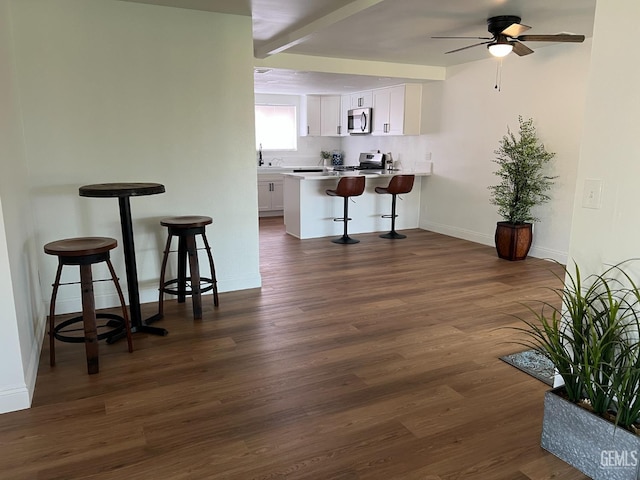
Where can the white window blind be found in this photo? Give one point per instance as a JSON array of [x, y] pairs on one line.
[[276, 127]]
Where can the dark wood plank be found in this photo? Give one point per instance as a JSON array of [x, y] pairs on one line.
[[378, 360]]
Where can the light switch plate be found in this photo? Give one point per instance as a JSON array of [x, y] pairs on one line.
[[592, 194]]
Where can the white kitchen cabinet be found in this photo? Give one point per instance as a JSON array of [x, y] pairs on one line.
[[345, 106], [397, 110], [270, 193], [362, 99], [311, 116], [330, 116], [321, 116]]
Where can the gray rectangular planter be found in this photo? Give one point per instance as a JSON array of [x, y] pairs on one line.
[[588, 442]]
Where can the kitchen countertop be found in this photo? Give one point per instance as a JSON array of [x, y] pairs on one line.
[[351, 173], [288, 169]]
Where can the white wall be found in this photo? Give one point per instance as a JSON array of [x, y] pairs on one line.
[[20, 310], [610, 146], [464, 119], [407, 151], [108, 91], [119, 91]]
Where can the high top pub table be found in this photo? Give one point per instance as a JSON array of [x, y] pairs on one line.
[[123, 191]]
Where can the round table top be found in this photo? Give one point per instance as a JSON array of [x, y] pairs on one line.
[[125, 189]]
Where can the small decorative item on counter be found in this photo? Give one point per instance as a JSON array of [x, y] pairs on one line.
[[336, 157], [389, 162], [326, 155]]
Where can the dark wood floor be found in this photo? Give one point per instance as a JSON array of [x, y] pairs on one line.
[[370, 361]]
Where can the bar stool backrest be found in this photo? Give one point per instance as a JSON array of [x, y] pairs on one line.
[[350, 186], [400, 184]]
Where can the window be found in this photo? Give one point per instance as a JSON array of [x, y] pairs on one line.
[[276, 127]]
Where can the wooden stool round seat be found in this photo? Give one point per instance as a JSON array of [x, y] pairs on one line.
[[398, 185], [186, 228], [84, 252], [347, 187]]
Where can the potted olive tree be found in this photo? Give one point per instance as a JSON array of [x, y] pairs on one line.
[[523, 185], [591, 422]]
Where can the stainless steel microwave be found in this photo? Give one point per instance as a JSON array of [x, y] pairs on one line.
[[359, 120]]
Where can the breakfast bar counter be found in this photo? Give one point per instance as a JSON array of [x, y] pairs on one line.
[[309, 211]]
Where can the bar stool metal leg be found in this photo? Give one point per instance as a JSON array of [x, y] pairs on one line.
[[52, 315], [214, 281], [163, 269]]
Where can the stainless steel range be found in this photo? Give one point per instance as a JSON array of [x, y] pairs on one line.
[[367, 161]]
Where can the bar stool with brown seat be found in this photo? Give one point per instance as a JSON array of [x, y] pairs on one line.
[[84, 252], [186, 228], [347, 187], [399, 184]]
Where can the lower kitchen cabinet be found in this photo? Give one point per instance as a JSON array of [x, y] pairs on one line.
[[270, 195]]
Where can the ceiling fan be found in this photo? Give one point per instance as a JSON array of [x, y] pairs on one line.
[[507, 37]]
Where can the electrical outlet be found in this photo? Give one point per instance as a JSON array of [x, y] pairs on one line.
[[592, 194]]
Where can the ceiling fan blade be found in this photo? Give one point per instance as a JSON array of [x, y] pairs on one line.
[[521, 49], [515, 29], [560, 37], [472, 38], [468, 46]]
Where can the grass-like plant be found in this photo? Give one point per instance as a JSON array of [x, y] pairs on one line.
[[592, 340]]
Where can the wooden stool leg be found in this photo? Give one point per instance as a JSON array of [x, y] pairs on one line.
[[52, 315], [163, 270], [125, 315], [182, 269], [89, 319], [212, 268], [194, 269]]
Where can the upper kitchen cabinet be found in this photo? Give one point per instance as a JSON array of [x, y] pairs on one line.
[[330, 116], [362, 99], [397, 110], [321, 116], [310, 118], [345, 106]]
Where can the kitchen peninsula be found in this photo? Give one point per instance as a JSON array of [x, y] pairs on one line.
[[309, 211]]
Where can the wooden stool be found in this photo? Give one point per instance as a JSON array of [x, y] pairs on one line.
[[399, 184], [84, 252], [186, 228], [347, 187]]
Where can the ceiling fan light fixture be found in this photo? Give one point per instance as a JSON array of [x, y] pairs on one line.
[[500, 49]]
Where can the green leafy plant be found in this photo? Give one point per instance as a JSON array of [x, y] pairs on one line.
[[592, 340], [523, 183], [325, 155]]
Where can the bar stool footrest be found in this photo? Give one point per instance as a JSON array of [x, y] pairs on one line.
[[206, 285], [116, 325]]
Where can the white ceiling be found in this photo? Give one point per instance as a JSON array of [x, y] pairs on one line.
[[396, 31]]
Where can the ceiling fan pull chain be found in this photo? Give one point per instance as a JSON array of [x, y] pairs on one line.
[[498, 85]]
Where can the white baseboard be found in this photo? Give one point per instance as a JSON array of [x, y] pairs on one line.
[[484, 239], [459, 233], [14, 397]]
